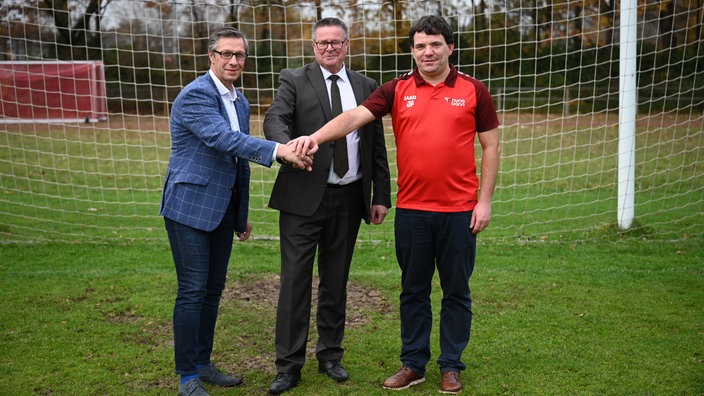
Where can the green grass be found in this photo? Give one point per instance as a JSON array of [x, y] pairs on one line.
[[622, 316], [565, 302]]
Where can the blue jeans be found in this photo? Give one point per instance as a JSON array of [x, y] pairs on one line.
[[201, 260], [424, 241]]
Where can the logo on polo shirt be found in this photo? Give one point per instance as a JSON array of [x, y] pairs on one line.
[[410, 100], [455, 102]]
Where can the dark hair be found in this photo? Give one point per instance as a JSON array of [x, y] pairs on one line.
[[227, 32], [326, 22], [431, 24]]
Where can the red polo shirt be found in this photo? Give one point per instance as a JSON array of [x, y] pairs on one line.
[[435, 127]]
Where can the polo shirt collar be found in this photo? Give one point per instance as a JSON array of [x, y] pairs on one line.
[[449, 80]]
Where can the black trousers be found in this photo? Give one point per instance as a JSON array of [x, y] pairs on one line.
[[332, 232]]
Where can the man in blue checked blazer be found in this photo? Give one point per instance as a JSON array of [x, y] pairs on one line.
[[206, 198]]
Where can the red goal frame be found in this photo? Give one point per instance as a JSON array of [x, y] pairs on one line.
[[36, 91]]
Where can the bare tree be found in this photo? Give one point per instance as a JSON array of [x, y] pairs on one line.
[[77, 27]]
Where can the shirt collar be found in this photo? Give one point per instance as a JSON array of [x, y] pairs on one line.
[[222, 89], [342, 73]]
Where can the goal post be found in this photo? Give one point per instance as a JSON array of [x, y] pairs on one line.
[[628, 105], [52, 91]]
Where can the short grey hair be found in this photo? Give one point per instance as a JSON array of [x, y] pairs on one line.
[[331, 21], [227, 32]]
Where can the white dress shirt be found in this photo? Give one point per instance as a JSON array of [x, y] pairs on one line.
[[348, 102]]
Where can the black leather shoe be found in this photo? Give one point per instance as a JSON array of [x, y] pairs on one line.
[[334, 370], [284, 382]]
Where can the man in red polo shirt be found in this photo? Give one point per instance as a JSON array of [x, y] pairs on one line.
[[437, 112]]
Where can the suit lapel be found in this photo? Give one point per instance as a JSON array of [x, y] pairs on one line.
[[241, 114], [321, 90], [357, 87]]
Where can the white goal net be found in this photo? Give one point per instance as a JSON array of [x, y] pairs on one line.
[[552, 69]]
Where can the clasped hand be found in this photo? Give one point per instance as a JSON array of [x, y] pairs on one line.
[[304, 145], [299, 160]]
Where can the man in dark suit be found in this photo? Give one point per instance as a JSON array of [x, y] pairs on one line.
[[206, 201], [322, 210]]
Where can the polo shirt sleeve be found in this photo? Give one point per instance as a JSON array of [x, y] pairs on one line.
[[485, 115], [381, 101]]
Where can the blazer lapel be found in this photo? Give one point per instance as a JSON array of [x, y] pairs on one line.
[[241, 116]]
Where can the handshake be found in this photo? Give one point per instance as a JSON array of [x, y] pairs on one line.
[[298, 152]]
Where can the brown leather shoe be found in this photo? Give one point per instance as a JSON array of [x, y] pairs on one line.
[[450, 383], [404, 378]]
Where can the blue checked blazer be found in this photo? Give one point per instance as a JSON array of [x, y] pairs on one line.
[[209, 161]]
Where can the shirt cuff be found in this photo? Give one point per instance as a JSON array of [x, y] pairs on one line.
[[276, 150]]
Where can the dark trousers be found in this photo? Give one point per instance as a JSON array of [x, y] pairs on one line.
[[425, 241], [201, 260], [332, 231]]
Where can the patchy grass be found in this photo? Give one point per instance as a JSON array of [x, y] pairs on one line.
[[622, 316]]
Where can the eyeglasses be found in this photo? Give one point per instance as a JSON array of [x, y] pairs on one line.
[[323, 45], [228, 55]]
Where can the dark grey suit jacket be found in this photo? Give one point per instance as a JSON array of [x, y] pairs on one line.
[[301, 107]]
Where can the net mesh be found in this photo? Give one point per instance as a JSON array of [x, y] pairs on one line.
[[552, 69]]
